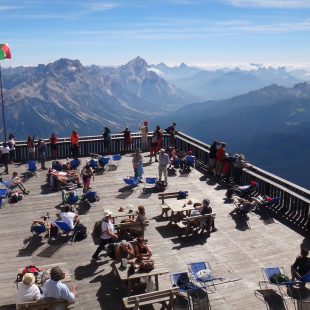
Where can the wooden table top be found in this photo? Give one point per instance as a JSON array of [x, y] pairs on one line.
[[159, 268], [181, 205]]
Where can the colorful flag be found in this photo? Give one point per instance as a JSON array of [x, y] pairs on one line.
[[5, 52]]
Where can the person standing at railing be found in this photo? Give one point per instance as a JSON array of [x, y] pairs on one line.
[[220, 155], [171, 132], [212, 157], [127, 138], [42, 148], [53, 142], [74, 144], [11, 144], [31, 147], [106, 139], [144, 133], [5, 154], [160, 140]]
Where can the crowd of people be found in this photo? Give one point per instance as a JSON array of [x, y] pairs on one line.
[[229, 167]]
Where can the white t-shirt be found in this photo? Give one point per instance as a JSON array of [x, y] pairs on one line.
[[26, 293], [105, 226], [68, 218], [5, 150], [9, 183]]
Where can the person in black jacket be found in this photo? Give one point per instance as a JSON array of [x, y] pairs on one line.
[[212, 157]]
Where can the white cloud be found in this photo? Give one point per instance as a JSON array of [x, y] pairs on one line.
[[8, 7], [99, 6], [280, 4]]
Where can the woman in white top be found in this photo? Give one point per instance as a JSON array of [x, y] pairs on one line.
[[11, 144], [27, 290]]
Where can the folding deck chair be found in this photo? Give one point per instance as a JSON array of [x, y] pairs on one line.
[[74, 164], [131, 182], [195, 296], [202, 274], [149, 183], [40, 230], [3, 195], [32, 168], [268, 274], [65, 228]]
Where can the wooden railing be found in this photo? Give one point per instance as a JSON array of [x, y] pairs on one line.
[[295, 202]]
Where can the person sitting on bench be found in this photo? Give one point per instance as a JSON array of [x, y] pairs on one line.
[[124, 250], [142, 249], [28, 290], [15, 181]]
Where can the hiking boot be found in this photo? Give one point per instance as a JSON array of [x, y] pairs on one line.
[[95, 258]]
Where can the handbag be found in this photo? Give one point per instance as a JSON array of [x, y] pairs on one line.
[[146, 265]]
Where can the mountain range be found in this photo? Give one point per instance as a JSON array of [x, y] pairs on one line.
[[267, 116], [271, 126], [65, 94]]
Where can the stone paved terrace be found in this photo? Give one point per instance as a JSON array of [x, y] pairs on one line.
[[233, 254]]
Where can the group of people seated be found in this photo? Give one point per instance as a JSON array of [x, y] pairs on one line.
[[176, 162], [52, 288], [58, 179]]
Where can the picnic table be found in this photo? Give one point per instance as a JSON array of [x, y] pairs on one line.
[[180, 208], [122, 273], [126, 213]]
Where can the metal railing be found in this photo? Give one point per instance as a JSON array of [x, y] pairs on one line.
[[295, 201]]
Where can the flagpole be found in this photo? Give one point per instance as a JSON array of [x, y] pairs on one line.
[[2, 104]]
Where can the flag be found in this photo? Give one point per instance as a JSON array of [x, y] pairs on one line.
[[5, 52]]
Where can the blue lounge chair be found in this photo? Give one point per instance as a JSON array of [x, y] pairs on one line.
[[74, 164], [283, 287], [131, 181], [65, 228], [40, 230], [32, 168], [3, 195], [149, 183], [208, 282]]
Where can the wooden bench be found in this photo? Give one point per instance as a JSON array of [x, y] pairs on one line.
[[187, 227], [165, 297], [164, 207], [45, 304], [127, 226]]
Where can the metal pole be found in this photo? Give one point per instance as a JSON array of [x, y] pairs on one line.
[[2, 103]]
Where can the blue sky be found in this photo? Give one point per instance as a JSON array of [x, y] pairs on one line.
[[205, 32]]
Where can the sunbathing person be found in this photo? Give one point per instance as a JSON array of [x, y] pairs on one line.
[[15, 181], [243, 207], [245, 191], [142, 249], [301, 265], [58, 179]]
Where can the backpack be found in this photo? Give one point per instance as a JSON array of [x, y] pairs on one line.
[[91, 196], [28, 269], [183, 282], [110, 249], [146, 265], [182, 194], [279, 278], [160, 186], [97, 232], [80, 232]]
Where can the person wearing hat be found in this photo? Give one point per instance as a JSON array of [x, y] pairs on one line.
[[42, 149], [28, 290], [54, 288], [107, 233], [163, 162]]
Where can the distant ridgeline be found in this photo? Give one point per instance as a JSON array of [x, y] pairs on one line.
[[269, 125]]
